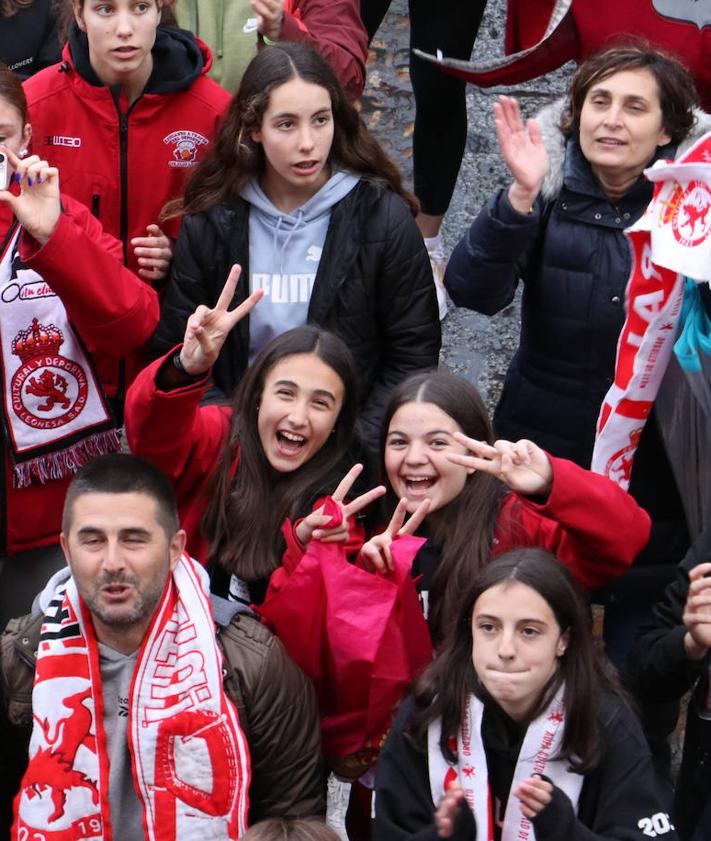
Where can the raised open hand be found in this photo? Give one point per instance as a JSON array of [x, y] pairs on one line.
[[313, 525], [376, 551], [523, 152], [207, 329], [37, 207], [523, 465]]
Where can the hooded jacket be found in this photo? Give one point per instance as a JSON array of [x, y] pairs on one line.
[[574, 260], [373, 288], [125, 162], [333, 27]]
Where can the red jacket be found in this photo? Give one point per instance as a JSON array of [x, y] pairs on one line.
[[126, 167], [335, 29], [113, 311], [185, 441]]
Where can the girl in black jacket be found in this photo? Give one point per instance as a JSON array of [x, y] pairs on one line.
[[516, 732], [297, 192]]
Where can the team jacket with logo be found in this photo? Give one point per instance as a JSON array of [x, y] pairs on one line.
[[125, 162]]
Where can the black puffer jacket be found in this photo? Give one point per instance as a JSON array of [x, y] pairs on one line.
[[574, 260], [373, 288]]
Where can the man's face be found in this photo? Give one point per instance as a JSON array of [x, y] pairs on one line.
[[120, 557]]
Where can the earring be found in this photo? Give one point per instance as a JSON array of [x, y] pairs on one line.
[[23, 153]]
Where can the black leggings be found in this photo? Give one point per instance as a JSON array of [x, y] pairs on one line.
[[441, 113]]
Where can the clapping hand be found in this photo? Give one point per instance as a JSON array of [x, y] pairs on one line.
[[697, 612], [314, 526], [523, 465], [207, 328], [534, 794], [153, 254], [523, 152]]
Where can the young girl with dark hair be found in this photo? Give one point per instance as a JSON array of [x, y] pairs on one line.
[[482, 497], [297, 191], [516, 732], [240, 471]]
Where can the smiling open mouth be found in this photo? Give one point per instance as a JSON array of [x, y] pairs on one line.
[[419, 483], [290, 442]]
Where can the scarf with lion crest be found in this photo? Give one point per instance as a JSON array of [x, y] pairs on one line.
[[189, 757]]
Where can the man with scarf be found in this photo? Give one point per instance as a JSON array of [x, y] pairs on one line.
[[142, 721]]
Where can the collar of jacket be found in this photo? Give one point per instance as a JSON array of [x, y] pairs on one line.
[[179, 58], [557, 145]]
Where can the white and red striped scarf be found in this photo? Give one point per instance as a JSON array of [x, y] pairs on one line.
[[541, 742], [189, 757], [669, 242]]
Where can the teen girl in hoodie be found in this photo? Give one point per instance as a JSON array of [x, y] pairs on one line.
[[298, 193]]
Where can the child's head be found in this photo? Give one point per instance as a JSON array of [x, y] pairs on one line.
[[292, 425], [417, 433], [280, 829], [120, 35], [297, 401], [290, 120]]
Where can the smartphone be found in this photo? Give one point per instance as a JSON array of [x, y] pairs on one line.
[[4, 172]]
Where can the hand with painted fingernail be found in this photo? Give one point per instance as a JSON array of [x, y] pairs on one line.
[[37, 207]]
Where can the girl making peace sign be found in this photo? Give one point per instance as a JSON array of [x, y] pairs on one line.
[[240, 471]]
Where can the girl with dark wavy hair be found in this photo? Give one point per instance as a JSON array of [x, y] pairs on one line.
[[517, 730], [241, 470], [298, 192]]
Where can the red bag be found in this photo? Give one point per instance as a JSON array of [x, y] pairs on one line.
[[360, 636]]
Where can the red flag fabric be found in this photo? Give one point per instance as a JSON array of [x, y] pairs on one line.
[[360, 636], [543, 34]]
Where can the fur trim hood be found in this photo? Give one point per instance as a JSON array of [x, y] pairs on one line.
[[548, 120]]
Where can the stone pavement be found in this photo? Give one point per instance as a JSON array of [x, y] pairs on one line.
[[475, 346]]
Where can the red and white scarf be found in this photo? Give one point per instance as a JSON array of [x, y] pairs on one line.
[[670, 241], [55, 413], [189, 757], [542, 741]]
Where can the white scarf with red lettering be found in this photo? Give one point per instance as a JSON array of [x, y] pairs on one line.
[[54, 411], [541, 742], [189, 757], [669, 242]]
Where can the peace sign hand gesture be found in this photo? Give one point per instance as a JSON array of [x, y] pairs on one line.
[[523, 465], [207, 329], [313, 525], [376, 551]]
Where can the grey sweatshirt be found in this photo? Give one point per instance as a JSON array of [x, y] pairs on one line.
[[284, 253]]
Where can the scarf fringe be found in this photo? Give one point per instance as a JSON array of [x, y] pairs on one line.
[[63, 463]]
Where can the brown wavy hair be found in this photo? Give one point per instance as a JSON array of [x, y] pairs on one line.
[[443, 689], [463, 529], [11, 91], [234, 157], [246, 507], [677, 91]]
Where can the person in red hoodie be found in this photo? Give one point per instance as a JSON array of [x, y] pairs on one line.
[[126, 116], [69, 311]]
